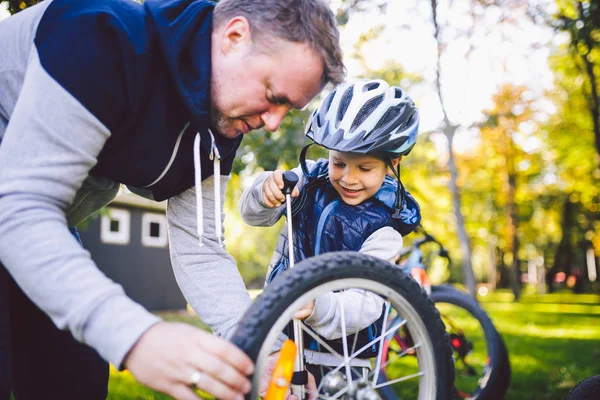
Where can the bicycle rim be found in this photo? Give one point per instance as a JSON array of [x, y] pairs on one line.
[[485, 372]]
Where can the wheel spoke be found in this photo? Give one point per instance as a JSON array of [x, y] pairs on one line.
[[330, 349], [345, 340], [362, 305], [382, 337], [404, 378], [366, 346], [400, 355]]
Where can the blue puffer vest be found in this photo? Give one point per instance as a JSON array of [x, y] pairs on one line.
[[324, 223]]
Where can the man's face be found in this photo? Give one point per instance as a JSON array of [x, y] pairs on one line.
[[251, 88]]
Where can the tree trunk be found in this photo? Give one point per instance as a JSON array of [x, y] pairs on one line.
[[465, 243], [492, 267], [594, 98], [564, 252], [514, 232], [449, 130]]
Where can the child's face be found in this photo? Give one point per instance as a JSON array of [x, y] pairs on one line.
[[356, 177]]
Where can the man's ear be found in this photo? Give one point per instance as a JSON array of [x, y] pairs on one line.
[[236, 34]]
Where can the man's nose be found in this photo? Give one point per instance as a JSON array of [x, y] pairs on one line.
[[273, 116]]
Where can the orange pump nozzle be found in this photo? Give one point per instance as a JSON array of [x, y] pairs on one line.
[[282, 372]]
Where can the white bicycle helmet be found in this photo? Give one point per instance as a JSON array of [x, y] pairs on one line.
[[366, 116]]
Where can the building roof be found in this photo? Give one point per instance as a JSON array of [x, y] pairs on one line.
[[125, 197]]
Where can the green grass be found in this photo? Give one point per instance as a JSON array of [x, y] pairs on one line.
[[553, 341]]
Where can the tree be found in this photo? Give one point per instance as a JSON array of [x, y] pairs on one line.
[[574, 177], [581, 20], [501, 133], [14, 6]]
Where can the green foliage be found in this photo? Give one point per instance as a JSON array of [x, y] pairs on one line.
[[263, 150], [581, 20], [502, 169], [349, 7], [570, 154], [14, 6]]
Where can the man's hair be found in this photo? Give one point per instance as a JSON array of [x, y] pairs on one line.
[[300, 21]]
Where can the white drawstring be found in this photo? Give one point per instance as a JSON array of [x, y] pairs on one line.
[[216, 157], [198, 183]]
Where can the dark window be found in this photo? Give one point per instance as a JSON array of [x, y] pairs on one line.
[[114, 225], [154, 229]]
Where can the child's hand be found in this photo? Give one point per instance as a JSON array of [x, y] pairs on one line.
[[272, 190], [305, 311]]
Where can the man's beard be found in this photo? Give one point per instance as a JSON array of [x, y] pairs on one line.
[[221, 124]]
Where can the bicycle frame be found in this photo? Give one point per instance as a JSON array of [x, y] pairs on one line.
[[414, 263]]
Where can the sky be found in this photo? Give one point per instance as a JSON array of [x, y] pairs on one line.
[[516, 54]]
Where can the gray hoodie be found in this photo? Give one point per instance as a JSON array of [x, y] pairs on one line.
[[49, 143]]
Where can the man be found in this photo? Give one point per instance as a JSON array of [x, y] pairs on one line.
[[156, 97]]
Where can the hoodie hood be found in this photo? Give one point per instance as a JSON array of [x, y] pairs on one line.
[[184, 30]]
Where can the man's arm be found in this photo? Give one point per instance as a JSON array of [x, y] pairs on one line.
[[207, 275], [50, 144]]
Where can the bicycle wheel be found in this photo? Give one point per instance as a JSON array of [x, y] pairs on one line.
[[482, 364], [428, 374]]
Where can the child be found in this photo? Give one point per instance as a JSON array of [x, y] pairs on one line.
[[346, 203]]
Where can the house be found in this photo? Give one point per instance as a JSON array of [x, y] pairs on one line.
[[128, 241]]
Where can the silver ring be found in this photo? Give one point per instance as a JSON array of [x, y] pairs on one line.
[[195, 378]]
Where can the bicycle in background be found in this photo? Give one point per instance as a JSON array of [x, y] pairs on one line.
[[481, 359]]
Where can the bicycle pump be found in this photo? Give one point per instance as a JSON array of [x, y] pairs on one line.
[[290, 179]]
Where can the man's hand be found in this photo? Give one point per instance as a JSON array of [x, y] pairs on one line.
[[272, 190], [170, 355]]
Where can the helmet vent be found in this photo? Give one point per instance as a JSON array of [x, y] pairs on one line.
[[371, 86], [388, 117], [366, 110], [398, 93], [327, 103], [344, 103]]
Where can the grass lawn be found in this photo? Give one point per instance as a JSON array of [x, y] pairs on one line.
[[553, 341]]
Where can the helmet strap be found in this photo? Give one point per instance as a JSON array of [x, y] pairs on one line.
[[303, 160], [400, 202], [312, 181]]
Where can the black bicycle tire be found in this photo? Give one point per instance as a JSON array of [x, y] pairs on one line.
[[256, 323], [587, 389], [499, 381]]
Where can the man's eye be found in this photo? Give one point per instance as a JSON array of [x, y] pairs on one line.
[[277, 100]]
